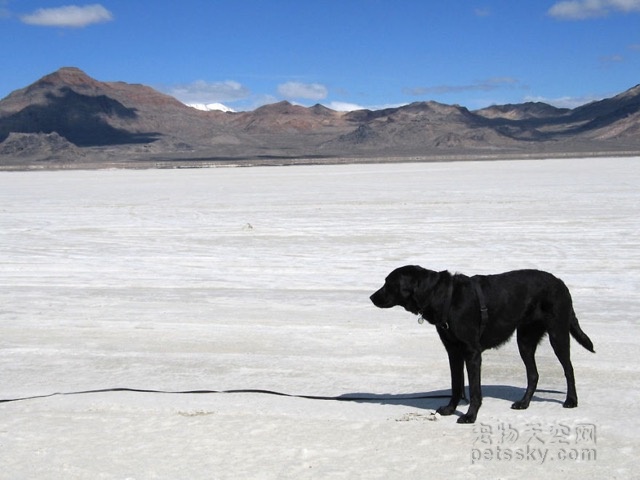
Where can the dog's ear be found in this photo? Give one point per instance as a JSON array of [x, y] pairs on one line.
[[425, 281]]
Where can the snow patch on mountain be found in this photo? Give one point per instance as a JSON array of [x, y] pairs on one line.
[[208, 107]]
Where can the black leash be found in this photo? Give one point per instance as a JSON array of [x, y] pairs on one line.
[[341, 398]]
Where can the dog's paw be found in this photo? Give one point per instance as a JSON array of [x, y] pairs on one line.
[[570, 403], [446, 410], [520, 405], [467, 419]]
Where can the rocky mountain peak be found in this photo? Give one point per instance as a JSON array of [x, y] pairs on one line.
[[69, 76]]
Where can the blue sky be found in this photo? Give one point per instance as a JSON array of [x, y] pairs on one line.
[[340, 53]]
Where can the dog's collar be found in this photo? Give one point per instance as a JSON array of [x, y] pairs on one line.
[[444, 321]]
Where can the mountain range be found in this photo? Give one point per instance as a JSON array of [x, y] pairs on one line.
[[68, 119]]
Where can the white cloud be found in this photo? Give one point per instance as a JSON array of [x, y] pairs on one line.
[[309, 91], [583, 9], [350, 107], [344, 106], [209, 92], [68, 16]]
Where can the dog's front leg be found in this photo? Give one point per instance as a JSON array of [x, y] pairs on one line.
[[473, 360], [456, 366]]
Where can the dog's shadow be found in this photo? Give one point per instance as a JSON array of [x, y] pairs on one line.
[[437, 398]]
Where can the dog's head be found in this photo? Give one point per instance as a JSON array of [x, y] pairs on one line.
[[406, 287]]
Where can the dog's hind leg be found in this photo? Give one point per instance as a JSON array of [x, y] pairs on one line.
[[561, 346], [528, 339]]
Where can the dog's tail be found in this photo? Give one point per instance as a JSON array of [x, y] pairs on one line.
[[579, 335]]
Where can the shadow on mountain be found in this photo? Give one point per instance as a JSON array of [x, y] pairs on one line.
[[544, 122], [81, 119]]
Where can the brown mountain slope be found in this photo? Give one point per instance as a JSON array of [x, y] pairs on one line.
[[422, 125], [283, 117], [92, 113], [523, 111]]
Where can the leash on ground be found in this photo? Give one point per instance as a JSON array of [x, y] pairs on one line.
[[339, 398], [372, 397]]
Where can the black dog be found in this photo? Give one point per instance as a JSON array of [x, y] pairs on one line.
[[473, 314]]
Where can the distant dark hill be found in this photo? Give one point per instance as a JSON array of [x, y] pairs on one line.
[[41, 146], [81, 119], [616, 117], [612, 118], [71, 115], [422, 125], [92, 113], [283, 117], [523, 111]]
